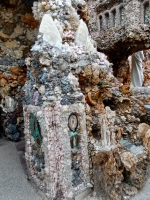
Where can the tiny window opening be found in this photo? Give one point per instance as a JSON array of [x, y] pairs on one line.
[[107, 21], [146, 13], [101, 23], [122, 15], [114, 18]]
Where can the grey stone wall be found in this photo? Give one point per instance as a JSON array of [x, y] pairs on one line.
[[124, 38]]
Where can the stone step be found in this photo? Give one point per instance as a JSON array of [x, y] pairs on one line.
[[137, 150], [85, 192]]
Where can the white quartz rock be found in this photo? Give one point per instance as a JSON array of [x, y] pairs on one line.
[[73, 81], [49, 30], [81, 34], [9, 104], [68, 3], [90, 46], [42, 89], [60, 29], [82, 37], [39, 114], [59, 2], [36, 47]]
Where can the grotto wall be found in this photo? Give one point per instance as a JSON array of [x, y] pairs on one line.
[[120, 28], [82, 127], [18, 31]]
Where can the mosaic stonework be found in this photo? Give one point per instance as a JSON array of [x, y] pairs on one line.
[[34, 150], [47, 150], [75, 110], [76, 155], [35, 130]]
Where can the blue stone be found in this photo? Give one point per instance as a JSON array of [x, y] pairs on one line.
[[43, 78], [147, 107]]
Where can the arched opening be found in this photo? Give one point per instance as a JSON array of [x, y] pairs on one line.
[[122, 15], [101, 23], [114, 18], [123, 69], [107, 21], [146, 13]]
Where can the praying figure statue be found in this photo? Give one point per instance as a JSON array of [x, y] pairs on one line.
[[108, 137], [137, 76]]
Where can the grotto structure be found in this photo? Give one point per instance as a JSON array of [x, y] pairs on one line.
[[85, 130], [120, 28]]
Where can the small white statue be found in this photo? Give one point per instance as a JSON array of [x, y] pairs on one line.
[[137, 76], [107, 128]]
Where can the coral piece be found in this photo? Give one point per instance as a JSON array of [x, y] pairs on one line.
[[15, 70], [3, 82], [22, 79], [29, 20]]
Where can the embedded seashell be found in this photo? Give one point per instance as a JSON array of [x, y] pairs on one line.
[[44, 61], [42, 89], [44, 139], [27, 61], [47, 7], [90, 100], [65, 131], [35, 3], [28, 142], [53, 7], [39, 5], [65, 108], [46, 170], [43, 3], [39, 113], [44, 98]]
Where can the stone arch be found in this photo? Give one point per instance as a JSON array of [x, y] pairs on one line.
[[100, 19], [122, 69]]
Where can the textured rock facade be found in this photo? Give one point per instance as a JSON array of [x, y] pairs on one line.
[[17, 34], [75, 108], [82, 127], [120, 27]]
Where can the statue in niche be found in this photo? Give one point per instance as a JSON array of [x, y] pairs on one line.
[[137, 76], [107, 128]]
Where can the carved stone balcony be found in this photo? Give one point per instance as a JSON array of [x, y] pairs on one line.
[[120, 27]]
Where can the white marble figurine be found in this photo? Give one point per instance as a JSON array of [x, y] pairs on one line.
[[137, 76]]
